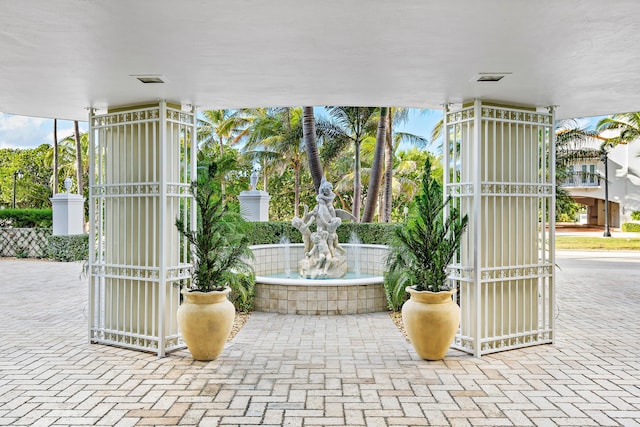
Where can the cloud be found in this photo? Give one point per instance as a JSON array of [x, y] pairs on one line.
[[30, 132]]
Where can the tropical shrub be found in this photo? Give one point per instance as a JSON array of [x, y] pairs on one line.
[[262, 233], [422, 251], [26, 218], [632, 227], [635, 215], [394, 291], [220, 244], [68, 248]]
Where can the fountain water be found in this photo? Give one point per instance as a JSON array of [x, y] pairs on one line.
[[356, 244], [285, 242]]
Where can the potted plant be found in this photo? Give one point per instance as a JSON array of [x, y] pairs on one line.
[[418, 260], [219, 251]]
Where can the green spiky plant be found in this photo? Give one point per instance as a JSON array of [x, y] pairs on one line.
[[220, 244], [421, 251]]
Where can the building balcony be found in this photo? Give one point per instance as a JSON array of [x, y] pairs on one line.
[[581, 180]]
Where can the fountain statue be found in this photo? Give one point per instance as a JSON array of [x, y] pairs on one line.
[[324, 257]]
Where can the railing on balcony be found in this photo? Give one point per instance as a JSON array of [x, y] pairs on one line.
[[582, 179]]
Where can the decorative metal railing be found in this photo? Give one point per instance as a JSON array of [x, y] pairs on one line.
[[581, 179]]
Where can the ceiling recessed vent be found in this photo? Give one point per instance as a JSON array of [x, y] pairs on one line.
[[149, 78], [490, 77]]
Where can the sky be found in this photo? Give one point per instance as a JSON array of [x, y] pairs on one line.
[[30, 132]]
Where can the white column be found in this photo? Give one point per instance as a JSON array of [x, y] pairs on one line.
[[142, 163], [503, 179]]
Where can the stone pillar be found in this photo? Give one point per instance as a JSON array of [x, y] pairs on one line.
[[254, 204], [68, 212]]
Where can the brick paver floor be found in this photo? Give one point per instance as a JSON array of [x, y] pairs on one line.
[[322, 370]]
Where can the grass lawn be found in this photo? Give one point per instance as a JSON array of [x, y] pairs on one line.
[[598, 243]]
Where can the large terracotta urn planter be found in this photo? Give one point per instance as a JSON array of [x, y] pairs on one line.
[[431, 320], [205, 320]]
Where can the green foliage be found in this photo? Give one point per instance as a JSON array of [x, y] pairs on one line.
[[21, 251], [220, 241], [242, 292], [597, 243], [567, 209], [68, 248], [32, 190], [635, 215], [230, 167], [395, 292], [370, 233], [631, 227], [563, 217], [264, 233], [282, 189], [26, 218], [422, 251]]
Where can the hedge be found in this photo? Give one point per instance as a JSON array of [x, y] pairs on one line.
[[26, 218], [631, 227], [262, 233], [68, 248]]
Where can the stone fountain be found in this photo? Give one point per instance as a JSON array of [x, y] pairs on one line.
[[323, 286]]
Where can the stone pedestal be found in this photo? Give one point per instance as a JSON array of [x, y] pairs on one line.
[[254, 205], [68, 214]]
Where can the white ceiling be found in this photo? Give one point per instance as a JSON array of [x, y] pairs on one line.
[[58, 58]]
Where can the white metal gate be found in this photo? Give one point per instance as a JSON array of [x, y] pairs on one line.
[[499, 169], [141, 162]]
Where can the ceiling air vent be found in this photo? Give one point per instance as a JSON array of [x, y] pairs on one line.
[[490, 77], [149, 78]]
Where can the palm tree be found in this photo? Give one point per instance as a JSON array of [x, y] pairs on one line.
[[350, 125], [78, 156], [311, 147], [280, 131], [570, 148], [396, 115], [628, 125], [69, 162], [222, 128], [376, 169], [55, 156]]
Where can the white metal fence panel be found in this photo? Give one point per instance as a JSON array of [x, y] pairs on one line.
[[499, 169], [142, 160]]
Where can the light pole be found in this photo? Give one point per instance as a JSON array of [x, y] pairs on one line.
[[17, 174], [605, 159]]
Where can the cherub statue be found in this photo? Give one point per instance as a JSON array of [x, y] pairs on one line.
[[320, 250], [324, 257], [332, 239], [325, 211], [304, 229]]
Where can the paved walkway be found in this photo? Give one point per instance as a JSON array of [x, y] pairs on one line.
[[318, 370]]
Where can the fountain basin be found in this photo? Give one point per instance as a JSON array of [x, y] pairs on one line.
[[364, 294]]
